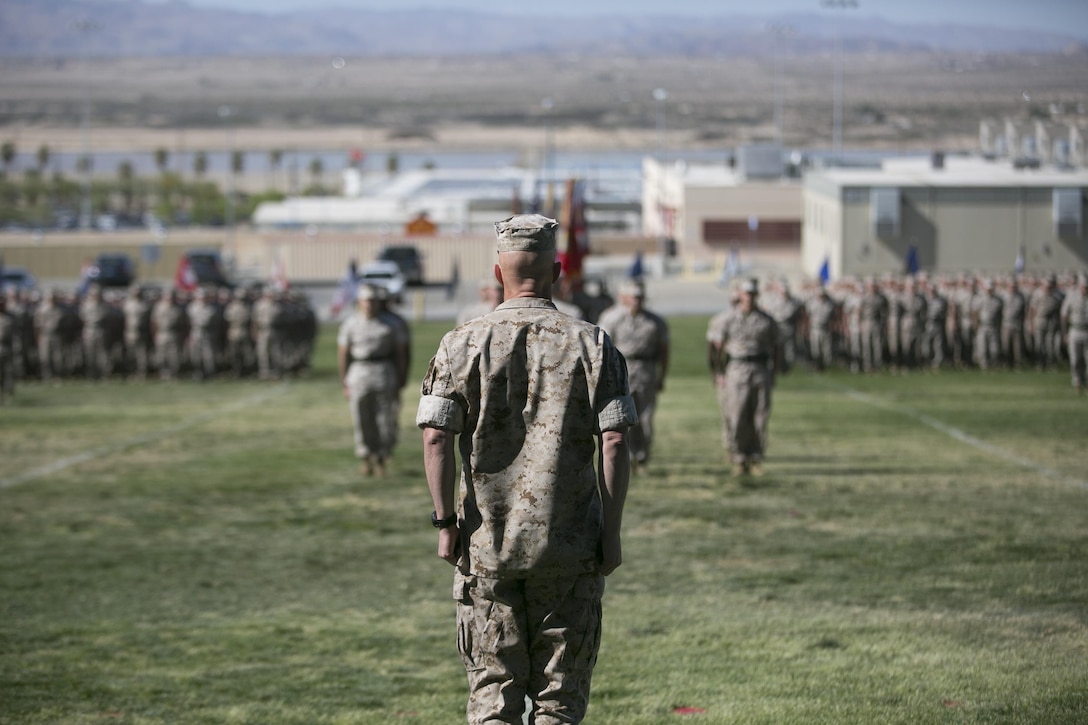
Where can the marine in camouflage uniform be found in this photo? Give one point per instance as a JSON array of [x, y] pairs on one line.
[[1012, 324], [531, 393], [912, 324], [7, 352], [47, 330], [786, 311], [643, 338], [202, 315], [1074, 319], [987, 308], [139, 346], [170, 325], [1045, 319], [935, 333], [267, 320], [820, 313], [95, 312], [873, 325], [239, 320], [370, 361], [744, 352]]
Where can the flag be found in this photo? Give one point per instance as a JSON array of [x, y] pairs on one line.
[[825, 271], [1018, 266], [636, 271], [515, 204], [912, 260], [185, 277], [345, 295], [278, 277], [574, 223], [731, 268]]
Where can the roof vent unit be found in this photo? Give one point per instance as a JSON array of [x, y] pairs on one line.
[[1068, 213], [760, 161], [884, 208]]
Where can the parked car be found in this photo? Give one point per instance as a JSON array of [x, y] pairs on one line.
[[17, 278], [384, 274], [199, 267], [112, 270], [408, 259]]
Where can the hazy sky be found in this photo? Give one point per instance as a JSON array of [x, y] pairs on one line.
[[1069, 17]]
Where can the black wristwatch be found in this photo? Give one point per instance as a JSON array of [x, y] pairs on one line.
[[443, 523]]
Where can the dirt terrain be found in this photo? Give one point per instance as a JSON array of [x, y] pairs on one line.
[[903, 102]]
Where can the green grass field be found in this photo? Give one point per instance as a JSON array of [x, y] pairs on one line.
[[917, 552]]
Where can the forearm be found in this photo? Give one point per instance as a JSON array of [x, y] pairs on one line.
[[342, 361], [438, 465], [613, 480]]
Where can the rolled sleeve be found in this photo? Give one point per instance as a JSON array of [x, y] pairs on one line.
[[437, 412], [617, 414]]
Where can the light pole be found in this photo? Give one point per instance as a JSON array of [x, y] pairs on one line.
[[836, 137], [225, 112], [547, 104], [660, 96], [779, 31], [85, 27]]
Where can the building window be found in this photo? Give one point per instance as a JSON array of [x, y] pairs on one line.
[[1068, 213], [732, 231], [884, 212]]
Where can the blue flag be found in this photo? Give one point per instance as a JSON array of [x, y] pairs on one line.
[[912, 260], [825, 271]]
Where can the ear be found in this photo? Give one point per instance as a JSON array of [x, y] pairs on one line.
[[498, 275], [557, 269]]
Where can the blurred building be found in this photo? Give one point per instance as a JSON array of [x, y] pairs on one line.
[[455, 201], [944, 214], [751, 207]]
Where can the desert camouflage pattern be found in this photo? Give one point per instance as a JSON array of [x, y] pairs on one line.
[[642, 339], [372, 381], [750, 342], [530, 389], [559, 618]]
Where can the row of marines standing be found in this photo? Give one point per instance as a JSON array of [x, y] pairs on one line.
[[144, 331], [923, 322]]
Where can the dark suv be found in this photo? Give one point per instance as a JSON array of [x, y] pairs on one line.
[[407, 257], [112, 270]]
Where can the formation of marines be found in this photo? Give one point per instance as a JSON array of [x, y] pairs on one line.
[[145, 332], [923, 322]]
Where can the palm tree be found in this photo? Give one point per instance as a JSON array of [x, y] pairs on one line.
[[317, 168], [275, 158], [7, 154], [43, 158], [162, 158], [125, 173], [200, 164]]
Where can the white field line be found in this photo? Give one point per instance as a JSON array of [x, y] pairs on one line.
[[150, 437], [959, 435]]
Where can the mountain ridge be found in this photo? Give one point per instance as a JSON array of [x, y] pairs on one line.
[[132, 28]]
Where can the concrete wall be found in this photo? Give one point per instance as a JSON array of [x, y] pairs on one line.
[[953, 229]]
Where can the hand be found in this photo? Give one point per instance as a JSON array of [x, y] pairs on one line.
[[347, 393], [449, 544]]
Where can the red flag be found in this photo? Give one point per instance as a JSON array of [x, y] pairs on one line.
[[574, 222], [184, 277]]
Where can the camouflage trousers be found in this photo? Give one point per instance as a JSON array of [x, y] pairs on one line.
[[1078, 357], [535, 638], [746, 410], [7, 375]]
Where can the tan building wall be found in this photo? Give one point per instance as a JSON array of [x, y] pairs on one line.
[[953, 229]]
